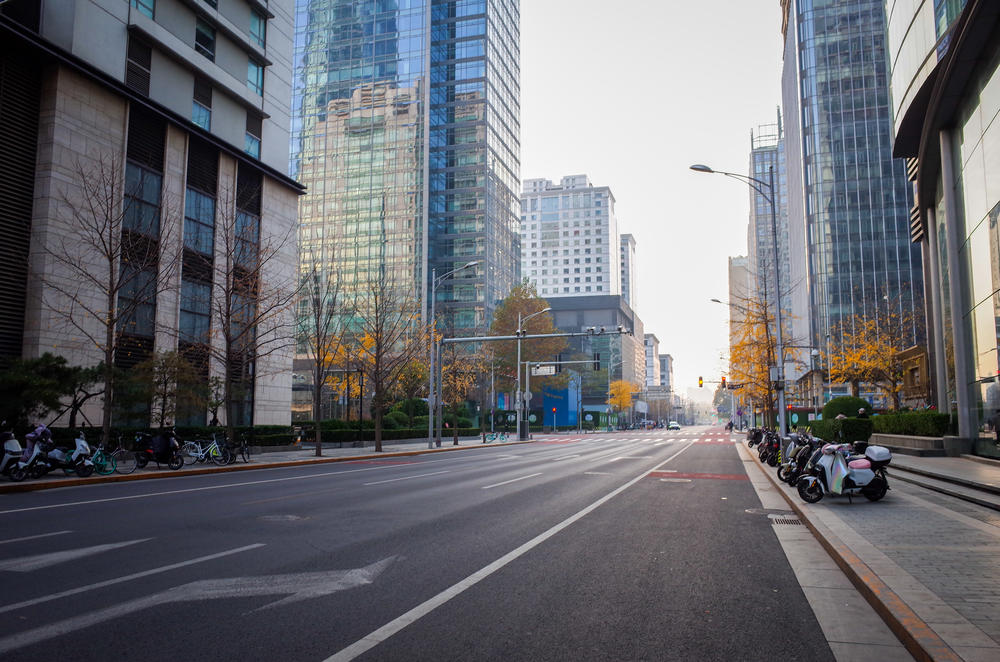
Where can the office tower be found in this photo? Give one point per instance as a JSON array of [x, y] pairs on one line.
[[629, 275], [569, 238], [845, 190], [406, 133], [185, 106], [652, 360], [943, 57]]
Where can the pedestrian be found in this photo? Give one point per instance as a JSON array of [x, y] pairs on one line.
[[862, 413], [995, 422]]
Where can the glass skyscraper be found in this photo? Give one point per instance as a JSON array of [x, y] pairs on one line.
[[406, 133], [844, 187]]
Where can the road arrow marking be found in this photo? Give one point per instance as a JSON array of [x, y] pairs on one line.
[[302, 586], [29, 563]]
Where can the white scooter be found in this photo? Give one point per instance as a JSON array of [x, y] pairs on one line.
[[832, 470], [12, 451], [77, 462]]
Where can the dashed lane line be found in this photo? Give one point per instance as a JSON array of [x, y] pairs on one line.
[[508, 482]]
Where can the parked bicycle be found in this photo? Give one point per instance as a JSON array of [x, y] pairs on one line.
[[202, 450], [124, 459], [104, 462], [496, 436], [240, 450]]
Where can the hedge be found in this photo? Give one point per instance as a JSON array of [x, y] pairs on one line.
[[843, 429], [846, 405], [916, 423]]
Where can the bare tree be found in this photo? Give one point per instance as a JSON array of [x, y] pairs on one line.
[[109, 263], [390, 334], [322, 322], [251, 300]]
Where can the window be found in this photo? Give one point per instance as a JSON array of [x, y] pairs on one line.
[[247, 239], [146, 7], [255, 77], [195, 311], [252, 145], [142, 200], [201, 108], [199, 222], [204, 39], [258, 28], [137, 301], [137, 66]]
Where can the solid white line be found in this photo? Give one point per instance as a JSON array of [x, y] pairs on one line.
[[378, 636], [42, 535], [514, 480], [393, 480], [127, 578], [39, 561], [216, 487]]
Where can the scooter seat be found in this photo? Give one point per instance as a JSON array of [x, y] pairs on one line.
[[860, 464]]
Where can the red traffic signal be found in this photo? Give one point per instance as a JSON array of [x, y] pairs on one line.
[[723, 382], [553, 410]]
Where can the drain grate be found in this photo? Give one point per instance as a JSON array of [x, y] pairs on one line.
[[784, 520]]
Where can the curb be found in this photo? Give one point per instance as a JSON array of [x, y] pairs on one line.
[[916, 636], [33, 486], [954, 480]]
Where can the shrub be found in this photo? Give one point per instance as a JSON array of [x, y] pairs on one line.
[[398, 419], [917, 423], [846, 405], [845, 429], [415, 406]]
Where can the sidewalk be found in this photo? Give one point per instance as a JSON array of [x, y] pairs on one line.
[[265, 460], [928, 565]]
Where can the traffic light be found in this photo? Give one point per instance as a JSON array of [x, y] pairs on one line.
[[597, 361], [553, 410], [723, 382], [558, 363], [701, 382]]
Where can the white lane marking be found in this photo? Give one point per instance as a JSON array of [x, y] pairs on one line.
[[41, 535], [37, 561], [597, 473], [301, 586], [219, 487], [127, 578], [631, 457], [564, 457], [378, 636], [394, 480], [514, 480]]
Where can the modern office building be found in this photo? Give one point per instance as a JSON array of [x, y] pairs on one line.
[[171, 120], [652, 360], [406, 132], [628, 271], [667, 371], [945, 77], [569, 238], [847, 195]]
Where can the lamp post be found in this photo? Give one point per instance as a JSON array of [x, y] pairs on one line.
[[520, 396], [431, 396], [759, 186]]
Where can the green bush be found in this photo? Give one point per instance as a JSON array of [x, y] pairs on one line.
[[399, 419], [844, 429], [916, 423], [846, 405], [415, 406]]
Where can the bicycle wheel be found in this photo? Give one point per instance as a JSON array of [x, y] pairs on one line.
[[190, 451], [124, 461], [104, 464], [220, 456], [245, 452]]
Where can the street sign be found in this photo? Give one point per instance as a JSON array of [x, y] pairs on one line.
[[542, 370], [527, 395]]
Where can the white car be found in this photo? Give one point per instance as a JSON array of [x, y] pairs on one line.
[[673, 425]]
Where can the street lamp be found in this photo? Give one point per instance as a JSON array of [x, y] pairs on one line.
[[520, 396], [431, 399], [759, 186]]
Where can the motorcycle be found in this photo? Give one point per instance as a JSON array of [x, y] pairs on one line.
[[33, 462], [833, 470], [754, 435], [796, 456], [162, 449], [71, 461], [12, 451], [769, 449]]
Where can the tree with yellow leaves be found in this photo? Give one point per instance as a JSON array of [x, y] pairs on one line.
[[524, 300], [620, 397]]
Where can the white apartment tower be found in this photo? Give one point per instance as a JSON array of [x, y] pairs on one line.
[[569, 238], [628, 272]]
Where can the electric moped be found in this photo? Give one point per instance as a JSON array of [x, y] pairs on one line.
[[833, 470]]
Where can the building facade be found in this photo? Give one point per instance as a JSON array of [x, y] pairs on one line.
[[844, 187], [944, 61], [652, 360], [569, 238], [406, 131], [628, 271], [171, 120]]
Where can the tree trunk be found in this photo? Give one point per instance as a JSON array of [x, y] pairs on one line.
[[317, 406], [454, 425], [378, 429]]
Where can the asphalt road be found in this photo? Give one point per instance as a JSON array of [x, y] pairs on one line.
[[628, 546]]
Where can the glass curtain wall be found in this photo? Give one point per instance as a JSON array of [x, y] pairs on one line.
[[857, 199]]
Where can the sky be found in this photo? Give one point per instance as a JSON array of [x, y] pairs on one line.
[[632, 93]]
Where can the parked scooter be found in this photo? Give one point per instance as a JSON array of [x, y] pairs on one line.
[[832, 470], [770, 448], [796, 456], [70, 461], [12, 451], [33, 462], [754, 435], [162, 448]]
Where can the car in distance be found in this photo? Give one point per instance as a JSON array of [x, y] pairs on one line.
[[673, 425]]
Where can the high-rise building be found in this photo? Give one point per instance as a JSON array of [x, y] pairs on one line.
[[171, 120], [628, 271], [944, 58], [569, 238], [652, 360], [406, 132], [846, 191]]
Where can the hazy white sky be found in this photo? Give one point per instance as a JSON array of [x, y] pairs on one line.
[[632, 93]]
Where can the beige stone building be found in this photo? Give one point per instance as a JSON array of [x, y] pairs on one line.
[[169, 120]]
